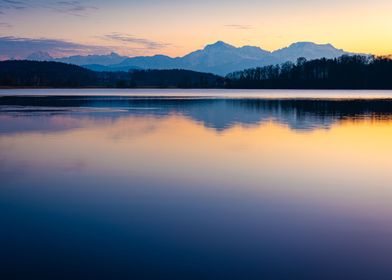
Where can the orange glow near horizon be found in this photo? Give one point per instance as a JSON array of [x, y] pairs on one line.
[[176, 28]]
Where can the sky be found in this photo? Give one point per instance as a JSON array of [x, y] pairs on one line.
[[175, 27]]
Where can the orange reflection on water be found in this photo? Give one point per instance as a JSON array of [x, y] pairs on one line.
[[347, 164]]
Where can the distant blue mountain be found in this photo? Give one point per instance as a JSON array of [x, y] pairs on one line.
[[103, 68], [40, 56], [151, 62], [104, 60], [222, 58], [308, 50], [219, 58]]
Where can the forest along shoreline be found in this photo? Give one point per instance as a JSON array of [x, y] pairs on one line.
[[346, 72]]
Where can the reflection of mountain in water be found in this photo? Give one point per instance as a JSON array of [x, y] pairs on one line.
[[220, 114]]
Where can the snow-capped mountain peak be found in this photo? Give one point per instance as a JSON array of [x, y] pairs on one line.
[[219, 58], [39, 56], [218, 46], [309, 50]]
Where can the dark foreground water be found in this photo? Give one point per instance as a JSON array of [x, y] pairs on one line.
[[205, 185]]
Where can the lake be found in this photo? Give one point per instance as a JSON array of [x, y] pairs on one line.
[[198, 184]]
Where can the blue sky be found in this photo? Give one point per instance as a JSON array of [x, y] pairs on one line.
[[176, 27]]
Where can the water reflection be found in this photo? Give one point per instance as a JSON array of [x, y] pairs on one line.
[[195, 188], [220, 114]]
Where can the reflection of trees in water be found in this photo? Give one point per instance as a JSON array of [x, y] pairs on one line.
[[320, 113], [220, 114]]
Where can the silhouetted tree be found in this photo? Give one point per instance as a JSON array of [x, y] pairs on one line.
[[346, 72], [54, 74]]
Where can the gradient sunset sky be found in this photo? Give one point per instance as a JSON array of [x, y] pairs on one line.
[[175, 27]]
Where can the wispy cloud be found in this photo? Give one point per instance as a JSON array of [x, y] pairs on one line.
[[239, 26], [15, 47], [130, 39], [5, 25], [73, 7], [12, 5]]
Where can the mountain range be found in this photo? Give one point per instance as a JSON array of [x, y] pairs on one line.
[[219, 58]]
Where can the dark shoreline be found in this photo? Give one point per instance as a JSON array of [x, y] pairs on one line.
[[344, 73]]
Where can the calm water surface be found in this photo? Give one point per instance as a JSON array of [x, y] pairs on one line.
[[172, 184]]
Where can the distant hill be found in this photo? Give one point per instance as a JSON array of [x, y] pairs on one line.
[[175, 78], [80, 60], [105, 60], [40, 56], [21, 73], [219, 58], [44, 74], [103, 68]]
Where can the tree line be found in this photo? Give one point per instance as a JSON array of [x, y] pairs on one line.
[[346, 72], [22, 73]]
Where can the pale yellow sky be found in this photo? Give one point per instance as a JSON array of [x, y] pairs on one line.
[[177, 27]]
